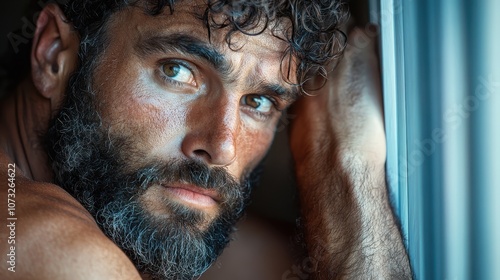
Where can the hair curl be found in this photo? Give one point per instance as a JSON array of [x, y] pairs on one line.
[[312, 34]]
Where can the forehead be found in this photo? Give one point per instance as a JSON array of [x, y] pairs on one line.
[[134, 25], [187, 17]]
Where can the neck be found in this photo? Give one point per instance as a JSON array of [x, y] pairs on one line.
[[24, 117]]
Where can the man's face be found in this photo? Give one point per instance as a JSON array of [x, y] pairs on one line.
[[161, 152], [163, 86]]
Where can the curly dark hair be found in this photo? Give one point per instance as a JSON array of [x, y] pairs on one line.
[[313, 35]]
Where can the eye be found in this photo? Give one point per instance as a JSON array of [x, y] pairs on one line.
[[258, 102], [178, 73]]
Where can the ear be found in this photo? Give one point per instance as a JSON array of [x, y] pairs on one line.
[[54, 54]]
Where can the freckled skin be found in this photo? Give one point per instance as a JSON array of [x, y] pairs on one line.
[[167, 123], [205, 122]]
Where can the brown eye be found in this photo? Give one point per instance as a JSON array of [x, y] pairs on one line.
[[178, 72], [258, 102], [171, 69]]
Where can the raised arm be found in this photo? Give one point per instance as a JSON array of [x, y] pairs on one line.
[[338, 143]]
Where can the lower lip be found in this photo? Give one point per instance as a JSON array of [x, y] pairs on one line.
[[191, 197]]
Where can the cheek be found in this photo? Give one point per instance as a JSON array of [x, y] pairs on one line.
[[137, 110], [151, 126], [254, 145]]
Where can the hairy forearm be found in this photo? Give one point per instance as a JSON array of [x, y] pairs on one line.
[[339, 147], [350, 229]]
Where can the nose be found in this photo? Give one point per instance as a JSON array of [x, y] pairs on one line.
[[213, 130]]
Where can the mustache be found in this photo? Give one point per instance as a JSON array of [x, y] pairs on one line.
[[195, 173]]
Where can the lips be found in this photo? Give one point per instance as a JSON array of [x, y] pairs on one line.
[[194, 195]]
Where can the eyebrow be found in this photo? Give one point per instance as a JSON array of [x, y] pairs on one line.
[[186, 44], [193, 46], [287, 95]]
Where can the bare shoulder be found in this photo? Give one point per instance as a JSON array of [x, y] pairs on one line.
[[52, 235]]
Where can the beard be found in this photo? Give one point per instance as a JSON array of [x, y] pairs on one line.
[[93, 166]]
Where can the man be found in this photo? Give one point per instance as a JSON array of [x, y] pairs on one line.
[[132, 141]]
